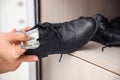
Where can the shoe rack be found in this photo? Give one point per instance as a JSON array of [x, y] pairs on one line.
[[90, 63]]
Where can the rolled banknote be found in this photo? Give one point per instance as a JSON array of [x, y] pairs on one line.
[[33, 42]]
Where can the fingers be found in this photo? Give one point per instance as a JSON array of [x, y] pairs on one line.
[[19, 50], [13, 30], [26, 29], [17, 37], [28, 58]]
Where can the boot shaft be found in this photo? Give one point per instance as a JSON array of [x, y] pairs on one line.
[[107, 34]]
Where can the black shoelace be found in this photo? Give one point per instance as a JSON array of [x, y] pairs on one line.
[[107, 44], [54, 28], [110, 43]]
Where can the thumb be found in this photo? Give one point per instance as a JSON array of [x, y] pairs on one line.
[[28, 58]]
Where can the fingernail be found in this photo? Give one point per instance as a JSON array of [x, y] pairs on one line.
[[35, 58]]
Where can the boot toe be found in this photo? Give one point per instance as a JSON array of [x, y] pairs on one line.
[[80, 32]]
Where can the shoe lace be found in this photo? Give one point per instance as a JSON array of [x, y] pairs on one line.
[[105, 47], [54, 29], [110, 43]]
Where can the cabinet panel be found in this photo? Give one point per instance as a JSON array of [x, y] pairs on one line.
[[71, 68], [63, 10]]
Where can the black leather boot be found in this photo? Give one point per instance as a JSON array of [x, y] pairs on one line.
[[115, 23], [106, 34], [67, 37]]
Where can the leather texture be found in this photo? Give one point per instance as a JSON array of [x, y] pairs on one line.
[[115, 23], [107, 34], [63, 38]]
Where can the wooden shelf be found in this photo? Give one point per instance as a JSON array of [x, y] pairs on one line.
[[108, 59]]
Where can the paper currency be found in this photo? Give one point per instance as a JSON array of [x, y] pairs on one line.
[[33, 42]]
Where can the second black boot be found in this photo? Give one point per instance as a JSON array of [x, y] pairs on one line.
[[115, 23], [67, 37], [106, 33]]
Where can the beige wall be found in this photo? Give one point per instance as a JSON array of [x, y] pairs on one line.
[[62, 10]]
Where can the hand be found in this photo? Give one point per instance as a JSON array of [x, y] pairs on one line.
[[11, 53]]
